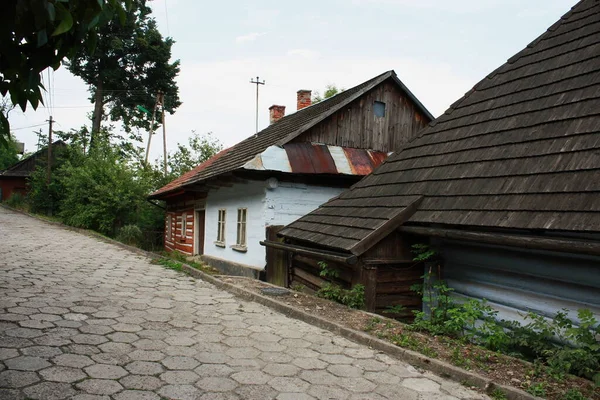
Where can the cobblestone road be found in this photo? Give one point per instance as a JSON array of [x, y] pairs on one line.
[[87, 320]]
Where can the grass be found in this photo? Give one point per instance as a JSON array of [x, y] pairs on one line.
[[532, 377], [498, 394], [175, 260]]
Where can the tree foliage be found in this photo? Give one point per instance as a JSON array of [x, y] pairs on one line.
[[128, 67], [330, 91], [199, 149], [105, 188], [8, 154], [37, 34]]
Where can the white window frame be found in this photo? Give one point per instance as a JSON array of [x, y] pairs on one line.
[[221, 220], [169, 228], [242, 218], [184, 226]]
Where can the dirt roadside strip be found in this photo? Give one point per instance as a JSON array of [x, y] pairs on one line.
[[439, 367]]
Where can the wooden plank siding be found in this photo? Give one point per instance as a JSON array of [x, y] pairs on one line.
[[516, 281], [387, 271], [178, 241], [356, 125]]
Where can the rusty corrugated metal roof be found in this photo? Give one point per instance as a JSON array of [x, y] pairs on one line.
[[311, 158]]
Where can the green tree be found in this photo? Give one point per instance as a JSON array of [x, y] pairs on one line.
[[37, 34], [200, 148], [128, 67], [330, 91], [8, 154]]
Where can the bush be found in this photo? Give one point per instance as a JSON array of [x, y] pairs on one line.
[[353, 298], [16, 200], [130, 234], [563, 346]]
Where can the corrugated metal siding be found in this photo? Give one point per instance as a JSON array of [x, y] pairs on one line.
[[517, 281]]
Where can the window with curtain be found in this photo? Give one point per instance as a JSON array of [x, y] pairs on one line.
[[241, 227], [221, 227]]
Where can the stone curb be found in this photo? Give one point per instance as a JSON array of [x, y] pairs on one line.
[[441, 368]]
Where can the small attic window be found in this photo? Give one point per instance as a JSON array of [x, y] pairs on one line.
[[379, 109]]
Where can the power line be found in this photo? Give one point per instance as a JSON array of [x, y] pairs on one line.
[[167, 18], [27, 127]]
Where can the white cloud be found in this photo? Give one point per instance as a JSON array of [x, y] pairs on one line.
[[250, 37], [306, 53]]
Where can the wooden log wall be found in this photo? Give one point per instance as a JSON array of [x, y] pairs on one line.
[[306, 272], [177, 207], [357, 126], [386, 285], [181, 231]]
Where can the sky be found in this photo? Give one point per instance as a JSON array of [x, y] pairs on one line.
[[438, 48]]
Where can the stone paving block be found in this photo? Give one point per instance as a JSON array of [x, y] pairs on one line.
[[256, 392], [100, 386], [17, 379], [328, 392], [105, 371], [421, 384], [141, 382], [41, 351], [27, 363], [136, 395], [216, 384], [62, 374], [251, 377], [142, 332], [285, 384], [84, 338], [396, 392], [360, 385], [10, 394], [342, 370], [181, 377], [180, 392], [144, 368], [73, 360], [49, 391], [6, 354], [294, 396], [111, 358], [281, 369], [180, 362]]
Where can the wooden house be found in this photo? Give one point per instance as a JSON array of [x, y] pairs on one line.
[[505, 184], [14, 178], [223, 208]]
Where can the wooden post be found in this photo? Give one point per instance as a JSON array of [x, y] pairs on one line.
[[49, 161], [164, 129], [369, 280], [277, 260]]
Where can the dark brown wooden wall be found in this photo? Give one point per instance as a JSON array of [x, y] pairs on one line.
[[357, 126]]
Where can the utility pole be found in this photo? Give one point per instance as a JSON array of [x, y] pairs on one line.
[[257, 82], [162, 102], [49, 173], [152, 126]]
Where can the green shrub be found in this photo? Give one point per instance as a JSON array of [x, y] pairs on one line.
[[560, 344], [16, 200], [573, 394], [353, 298], [130, 234]]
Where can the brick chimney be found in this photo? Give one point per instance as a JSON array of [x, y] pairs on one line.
[[303, 99], [276, 113]]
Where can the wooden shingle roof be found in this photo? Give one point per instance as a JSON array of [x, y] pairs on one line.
[[24, 167], [280, 133], [520, 150]]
